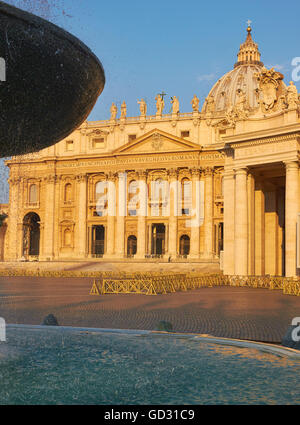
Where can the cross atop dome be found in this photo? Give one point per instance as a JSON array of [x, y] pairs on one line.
[[249, 53]]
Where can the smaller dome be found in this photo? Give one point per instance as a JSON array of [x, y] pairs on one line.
[[241, 81]]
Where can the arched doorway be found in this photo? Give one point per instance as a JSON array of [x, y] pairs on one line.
[[131, 245], [31, 235], [184, 245]]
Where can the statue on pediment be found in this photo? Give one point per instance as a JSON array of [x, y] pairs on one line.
[[292, 96], [113, 111], [270, 85], [143, 107], [160, 104], [195, 103], [123, 110], [175, 103]]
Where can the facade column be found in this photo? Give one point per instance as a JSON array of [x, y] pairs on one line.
[[260, 239], [173, 180], [12, 246], [241, 222], [251, 218], [82, 212], [208, 214], [142, 213], [195, 222], [291, 212], [111, 212], [22, 201], [121, 213], [229, 202], [48, 253]]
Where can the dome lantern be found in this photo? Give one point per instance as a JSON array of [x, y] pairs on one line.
[[249, 53]]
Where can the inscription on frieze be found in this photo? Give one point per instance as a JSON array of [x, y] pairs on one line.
[[265, 149], [143, 159]]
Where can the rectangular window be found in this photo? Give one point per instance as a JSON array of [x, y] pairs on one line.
[[69, 145], [185, 134], [98, 143]]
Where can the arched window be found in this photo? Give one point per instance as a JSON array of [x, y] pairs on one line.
[[67, 237], [33, 194], [68, 192], [186, 189], [132, 198]]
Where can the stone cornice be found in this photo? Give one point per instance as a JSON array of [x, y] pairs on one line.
[[274, 139], [292, 130]]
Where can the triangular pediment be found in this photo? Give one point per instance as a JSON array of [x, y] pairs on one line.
[[156, 141]]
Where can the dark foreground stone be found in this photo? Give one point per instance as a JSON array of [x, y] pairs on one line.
[[288, 340], [50, 320], [52, 82], [164, 326]]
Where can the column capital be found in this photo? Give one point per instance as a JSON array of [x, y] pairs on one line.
[[228, 173], [81, 178], [142, 174], [208, 171], [173, 173], [51, 178], [291, 165], [195, 172], [241, 170]]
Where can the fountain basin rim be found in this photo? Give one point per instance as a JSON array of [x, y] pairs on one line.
[[242, 343]]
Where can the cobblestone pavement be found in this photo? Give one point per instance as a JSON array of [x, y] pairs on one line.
[[257, 314]]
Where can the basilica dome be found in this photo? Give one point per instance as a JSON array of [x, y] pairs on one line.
[[241, 80]]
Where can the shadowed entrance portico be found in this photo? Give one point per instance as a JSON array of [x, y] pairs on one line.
[[31, 235], [158, 239]]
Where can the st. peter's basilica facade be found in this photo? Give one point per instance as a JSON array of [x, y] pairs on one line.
[[216, 186]]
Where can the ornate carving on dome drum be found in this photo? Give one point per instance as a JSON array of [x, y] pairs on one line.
[[271, 89]]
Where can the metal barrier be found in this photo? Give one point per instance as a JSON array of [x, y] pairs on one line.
[[163, 283]]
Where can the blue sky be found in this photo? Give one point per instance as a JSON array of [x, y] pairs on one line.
[[176, 46], [181, 47]]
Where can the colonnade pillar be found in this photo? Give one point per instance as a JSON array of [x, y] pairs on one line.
[[241, 222], [229, 202], [291, 212]]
